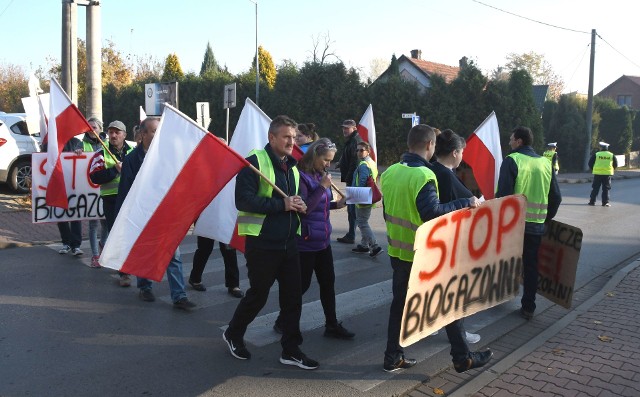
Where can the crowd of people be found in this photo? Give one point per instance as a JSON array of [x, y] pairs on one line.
[[288, 239]]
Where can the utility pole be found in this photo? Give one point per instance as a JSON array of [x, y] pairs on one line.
[[257, 59], [587, 152], [94, 61], [69, 61]]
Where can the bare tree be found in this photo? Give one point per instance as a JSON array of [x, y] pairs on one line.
[[322, 50], [540, 70]]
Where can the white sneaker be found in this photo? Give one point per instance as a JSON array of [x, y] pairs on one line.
[[472, 338], [77, 251], [64, 250]]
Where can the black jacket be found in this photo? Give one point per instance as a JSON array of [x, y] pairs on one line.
[[280, 227], [130, 167], [349, 160], [449, 186]]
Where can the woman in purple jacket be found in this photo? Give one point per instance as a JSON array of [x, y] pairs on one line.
[[314, 242]]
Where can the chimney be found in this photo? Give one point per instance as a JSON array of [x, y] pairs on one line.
[[416, 54]]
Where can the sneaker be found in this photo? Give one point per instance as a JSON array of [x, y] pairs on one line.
[[235, 292], [146, 295], [197, 286], [337, 331], [95, 262], [299, 360], [475, 360], [237, 348], [277, 328], [375, 251], [360, 249], [606, 205], [472, 338], [346, 240], [77, 251], [527, 315], [591, 203], [184, 304], [403, 363], [64, 250], [125, 280]]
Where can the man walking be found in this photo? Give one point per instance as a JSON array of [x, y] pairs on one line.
[[603, 163], [347, 164], [525, 172], [552, 156]]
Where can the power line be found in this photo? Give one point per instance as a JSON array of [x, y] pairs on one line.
[[5, 9], [529, 19], [621, 54]]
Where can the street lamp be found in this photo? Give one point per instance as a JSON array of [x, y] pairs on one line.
[[257, 59]]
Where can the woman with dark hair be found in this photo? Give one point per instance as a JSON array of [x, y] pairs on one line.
[[314, 242], [306, 135], [448, 154]]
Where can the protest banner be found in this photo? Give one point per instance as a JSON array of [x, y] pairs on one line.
[[558, 262], [465, 261], [83, 195]]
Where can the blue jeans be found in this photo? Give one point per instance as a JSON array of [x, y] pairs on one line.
[[174, 277], [394, 352], [362, 221], [93, 235]]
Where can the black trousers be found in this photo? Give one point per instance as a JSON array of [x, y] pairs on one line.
[[605, 182], [71, 233], [264, 268], [200, 258], [530, 250]]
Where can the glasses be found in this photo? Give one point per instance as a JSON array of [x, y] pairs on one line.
[[323, 146], [361, 150]]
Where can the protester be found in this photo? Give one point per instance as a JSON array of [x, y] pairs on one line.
[[105, 171], [306, 135], [602, 164], [347, 165], [410, 198], [551, 155], [314, 243], [525, 172], [270, 224], [130, 168], [366, 168], [230, 259]]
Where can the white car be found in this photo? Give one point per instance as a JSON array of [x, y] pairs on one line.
[[16, 146]]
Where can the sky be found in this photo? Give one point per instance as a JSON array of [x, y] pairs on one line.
[[359, 30]]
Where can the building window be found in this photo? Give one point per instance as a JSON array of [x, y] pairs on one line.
[[624, 100]]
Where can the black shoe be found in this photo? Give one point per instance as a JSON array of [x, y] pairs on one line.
[[337, 331], [403, 363], [277, 328], [184, 304], [527, 315], [237, 348], [299, 360], [197, 286], [475, 360], [592, 203], [346, 240], [360, 249], [375, 251], [146, 295], [235, 292]]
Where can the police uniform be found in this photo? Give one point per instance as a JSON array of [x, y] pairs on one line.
[[603, 164]]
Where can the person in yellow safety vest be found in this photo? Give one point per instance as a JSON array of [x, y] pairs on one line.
[[366, 168], [523, 171], [105, 171], [552, 156], [271, 224], [603, 163], [410, 198]]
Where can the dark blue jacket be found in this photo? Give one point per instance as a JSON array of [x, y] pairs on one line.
[[130, 167]]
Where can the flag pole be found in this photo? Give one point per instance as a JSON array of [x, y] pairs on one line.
[[266, 178], [337, 190], [104, 146]]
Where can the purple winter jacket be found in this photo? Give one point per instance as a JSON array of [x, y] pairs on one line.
[[315, 225]]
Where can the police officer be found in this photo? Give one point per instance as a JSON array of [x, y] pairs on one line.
[[271, 224], [552, 156], [602, 163], [525, 172], [410, 198]]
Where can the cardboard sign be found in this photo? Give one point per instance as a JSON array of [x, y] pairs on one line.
[[558, 262], [465, 261], [83, 195]]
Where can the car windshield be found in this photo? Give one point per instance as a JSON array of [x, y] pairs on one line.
[[20, 128]]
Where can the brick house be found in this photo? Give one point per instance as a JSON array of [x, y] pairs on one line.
[[419, 71], [625, 92]]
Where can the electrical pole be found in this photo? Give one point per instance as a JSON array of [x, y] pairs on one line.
[[94, 61], [587, 152], [257, 59], [69, 56]]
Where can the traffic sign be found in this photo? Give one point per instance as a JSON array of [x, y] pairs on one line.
[[408, 115]]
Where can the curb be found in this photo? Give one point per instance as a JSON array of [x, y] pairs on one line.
[[502, 366]]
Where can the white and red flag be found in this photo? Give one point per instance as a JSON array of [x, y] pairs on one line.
[[142, 115], [367, 131], [184, 169], [65, 122], [218, 220], [484, 154]]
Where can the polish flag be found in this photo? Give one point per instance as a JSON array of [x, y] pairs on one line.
[[484, 154], [218, 220], [65, 122], [142, 116], [184, 169], [367, 131]]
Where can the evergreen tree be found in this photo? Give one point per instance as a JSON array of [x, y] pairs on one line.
[[267, 67], [568, 127], [172, 69], [394, 68], [209, 64]]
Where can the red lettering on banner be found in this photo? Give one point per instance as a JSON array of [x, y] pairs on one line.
[[94, 185], [550, 260], [457, 219], [431, 243], [43, 172], [480, 213], [509, 202], [74, 158]]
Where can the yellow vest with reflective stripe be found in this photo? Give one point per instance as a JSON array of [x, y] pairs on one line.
[[400, 185], [549, 155], [87, 147], [534, 181], [603, 164], [250, 223], [111, 188], [374, 174]]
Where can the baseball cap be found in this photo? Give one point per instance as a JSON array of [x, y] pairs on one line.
[[118, 125], [349, 123], [604, 144]]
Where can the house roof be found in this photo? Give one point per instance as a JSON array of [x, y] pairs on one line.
[[449, 73], [633, 79], [540, 95]]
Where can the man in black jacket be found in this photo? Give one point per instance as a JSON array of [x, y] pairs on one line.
[[347, 164], [270, 224]]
